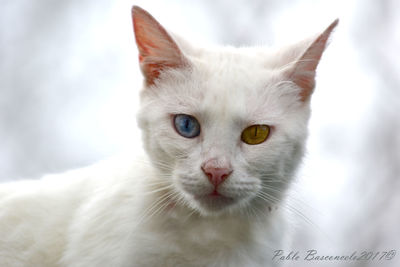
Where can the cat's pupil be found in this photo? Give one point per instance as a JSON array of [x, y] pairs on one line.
[[187, 124]]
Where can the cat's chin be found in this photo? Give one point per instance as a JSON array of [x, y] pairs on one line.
[[213, 204]]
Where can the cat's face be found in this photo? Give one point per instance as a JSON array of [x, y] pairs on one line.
[[226, 127]]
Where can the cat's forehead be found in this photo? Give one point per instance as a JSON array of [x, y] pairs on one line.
[[232, 84], [231, 59], [224, 87], [234, 81], [231, 70]]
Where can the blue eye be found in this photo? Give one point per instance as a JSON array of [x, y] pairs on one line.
[[186, 125]]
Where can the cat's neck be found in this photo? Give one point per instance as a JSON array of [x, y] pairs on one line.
[[178, 224]]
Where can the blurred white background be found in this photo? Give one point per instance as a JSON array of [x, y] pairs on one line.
[[69, 84]]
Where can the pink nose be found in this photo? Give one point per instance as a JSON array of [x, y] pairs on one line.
[[216, 173]]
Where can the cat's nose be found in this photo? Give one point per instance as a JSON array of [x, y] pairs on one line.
[[216, 172]]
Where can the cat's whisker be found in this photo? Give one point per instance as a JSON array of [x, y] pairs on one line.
[[186, 219], [288, 206], [291, 196], [160, 208], [160, 189], [181, 201], [159, 163], [154, 205], [272, 200], [158, 182], [266, 198], [253, 213], [274, 189], [147, 214], [294, 188]]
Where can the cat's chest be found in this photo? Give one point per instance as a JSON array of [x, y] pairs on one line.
[[201, 243]]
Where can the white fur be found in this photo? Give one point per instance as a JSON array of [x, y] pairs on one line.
[[99, 216], [142, 211]]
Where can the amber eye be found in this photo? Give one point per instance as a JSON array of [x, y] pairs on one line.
[[255, 134]]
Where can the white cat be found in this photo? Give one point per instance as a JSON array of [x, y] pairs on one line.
[[224, 131]]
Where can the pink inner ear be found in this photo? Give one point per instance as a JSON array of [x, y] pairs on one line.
[[307, 84], [157, 50], [303, 73]]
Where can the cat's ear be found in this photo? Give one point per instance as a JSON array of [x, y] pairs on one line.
[[157, 49], [302, 72]]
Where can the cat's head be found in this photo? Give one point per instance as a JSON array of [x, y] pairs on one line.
[[226, 127]]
